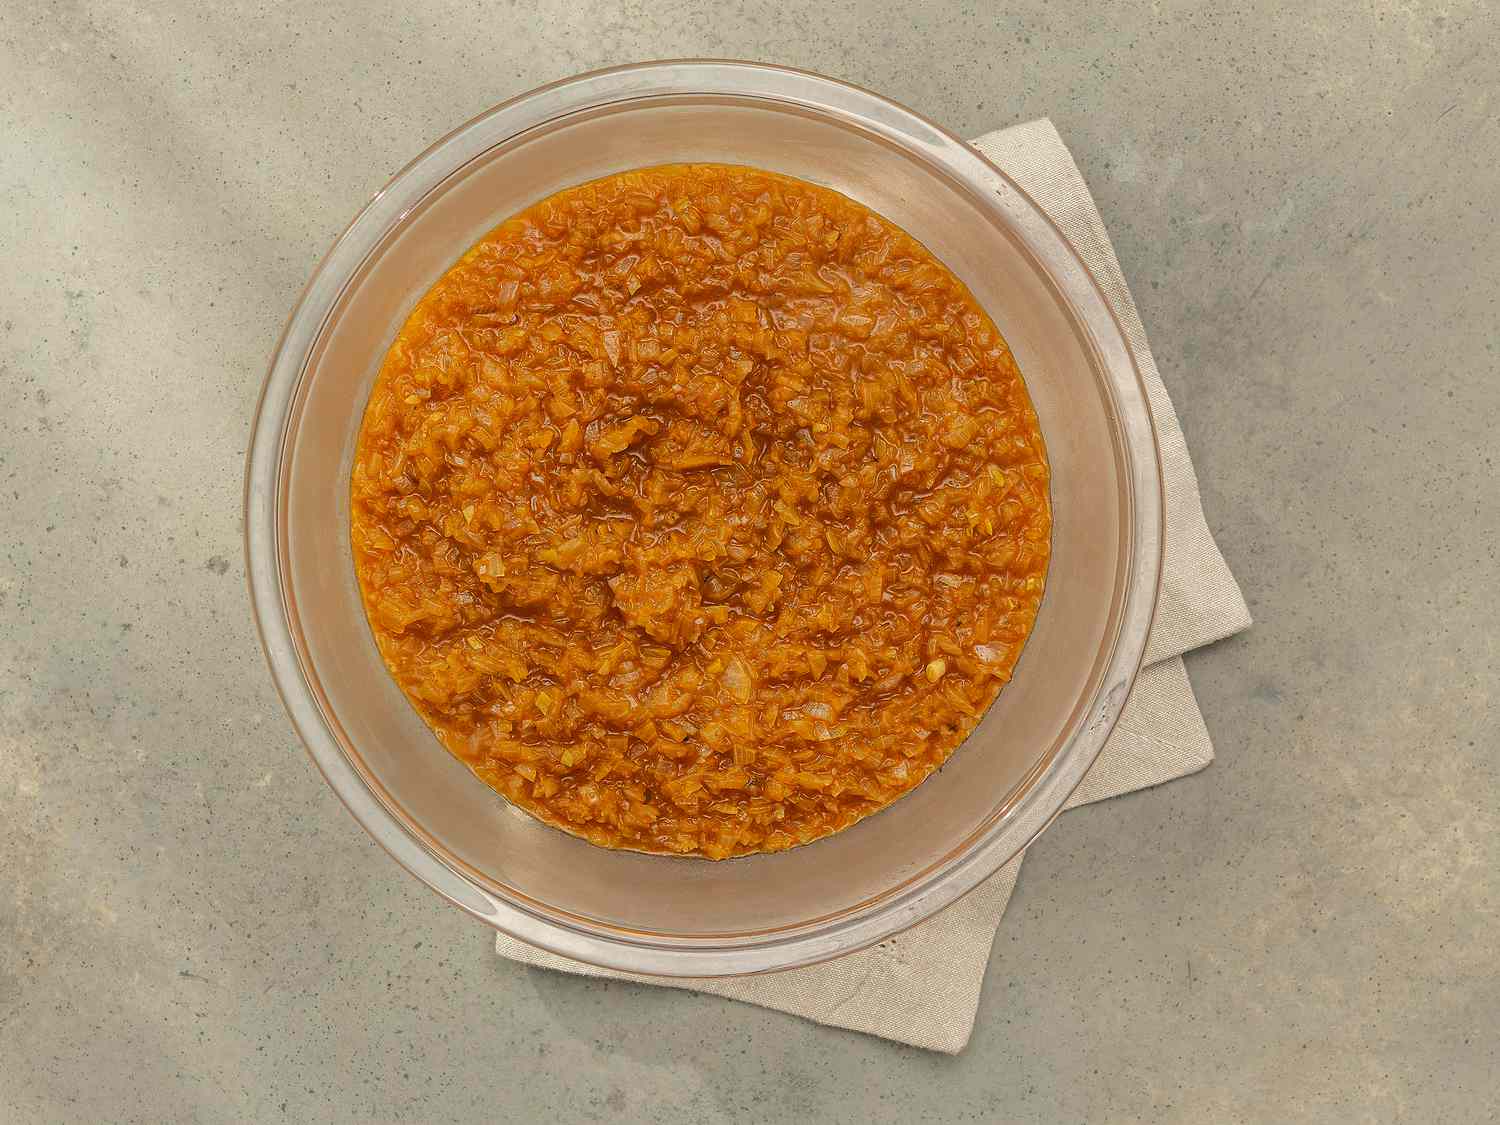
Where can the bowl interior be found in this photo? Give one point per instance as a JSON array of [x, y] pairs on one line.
[[559, 877]]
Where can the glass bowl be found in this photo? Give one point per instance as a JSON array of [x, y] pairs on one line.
[[681, 916]]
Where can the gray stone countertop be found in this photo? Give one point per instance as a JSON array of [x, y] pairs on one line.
[[1304, 199]]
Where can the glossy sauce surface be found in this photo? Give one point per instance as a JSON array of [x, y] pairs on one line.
[[700, 510]]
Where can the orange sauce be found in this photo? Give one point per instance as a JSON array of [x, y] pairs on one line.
[[700, 510]]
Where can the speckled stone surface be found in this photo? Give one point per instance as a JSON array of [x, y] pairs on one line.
[[191, 928]]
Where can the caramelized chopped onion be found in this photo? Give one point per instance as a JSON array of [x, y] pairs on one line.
[[700, 511]]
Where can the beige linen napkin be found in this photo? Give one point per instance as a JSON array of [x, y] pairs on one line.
[[922, 987]]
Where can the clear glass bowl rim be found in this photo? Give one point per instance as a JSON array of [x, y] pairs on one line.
[[264, 527]]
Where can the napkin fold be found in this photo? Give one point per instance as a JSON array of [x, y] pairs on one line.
[[922, 986]]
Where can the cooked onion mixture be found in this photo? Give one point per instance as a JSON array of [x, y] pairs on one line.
[[700, 510]]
